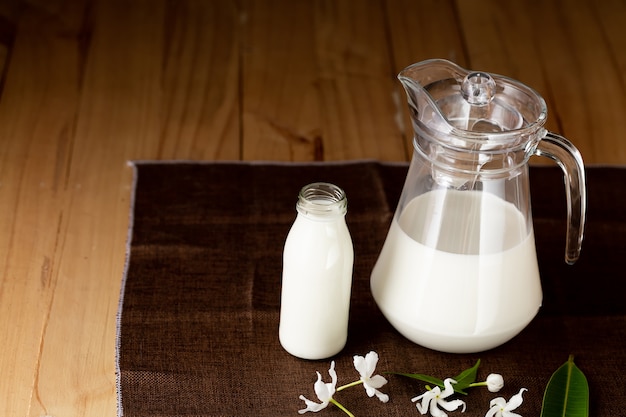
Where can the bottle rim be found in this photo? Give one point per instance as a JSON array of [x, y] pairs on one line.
[[322, 199]]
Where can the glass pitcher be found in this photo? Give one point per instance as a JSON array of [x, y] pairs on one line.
[[458, 270]]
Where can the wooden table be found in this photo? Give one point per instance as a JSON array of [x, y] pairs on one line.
[[89, 85]]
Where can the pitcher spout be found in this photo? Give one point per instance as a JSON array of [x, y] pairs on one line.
[[417, 80]]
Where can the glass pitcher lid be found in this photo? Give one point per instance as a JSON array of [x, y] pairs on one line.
[[470, 101]]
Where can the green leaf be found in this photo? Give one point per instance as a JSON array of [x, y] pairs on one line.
[[465, 378], [567, 393], [421, 377]]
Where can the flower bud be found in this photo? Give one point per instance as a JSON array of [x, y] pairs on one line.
[[495, 382]]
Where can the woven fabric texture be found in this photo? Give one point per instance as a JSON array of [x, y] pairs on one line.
[[198, 331]]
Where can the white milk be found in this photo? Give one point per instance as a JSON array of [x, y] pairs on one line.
[[316, 285], [455, 302]]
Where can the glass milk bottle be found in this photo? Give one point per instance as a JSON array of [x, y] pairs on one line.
[[317, 275]]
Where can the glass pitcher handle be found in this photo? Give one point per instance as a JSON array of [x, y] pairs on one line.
[[569, 159]]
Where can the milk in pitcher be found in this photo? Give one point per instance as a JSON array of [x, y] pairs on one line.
[[473, 286]]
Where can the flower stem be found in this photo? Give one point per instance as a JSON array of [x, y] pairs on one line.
[[341, 407], [478, 384], [351, 384]]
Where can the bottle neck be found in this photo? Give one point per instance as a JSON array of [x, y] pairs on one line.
[[322, 201]]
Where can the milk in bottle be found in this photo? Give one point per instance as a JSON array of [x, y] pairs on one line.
[[317, 275]]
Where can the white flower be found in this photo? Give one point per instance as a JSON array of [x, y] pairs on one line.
[[435, 397], [495, 382], [324, 392], [366, 366], [500, 408]]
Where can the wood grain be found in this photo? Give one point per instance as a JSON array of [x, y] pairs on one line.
[[316, 82], [415, 35], [38, 113], [567, 51], [89, 85], [199, 81]]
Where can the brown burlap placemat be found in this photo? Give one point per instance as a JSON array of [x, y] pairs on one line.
[[198, 321]]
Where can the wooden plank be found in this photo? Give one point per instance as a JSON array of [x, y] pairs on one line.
[[150, 90], [9, 12], [419, 31], [37, 115], [90, 87], [200, 101], [612, 14], [316, 82], [424, 30], [118, 118], [280, 112], [356, 82], [501, 37], [556, 47], [599, 38]]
